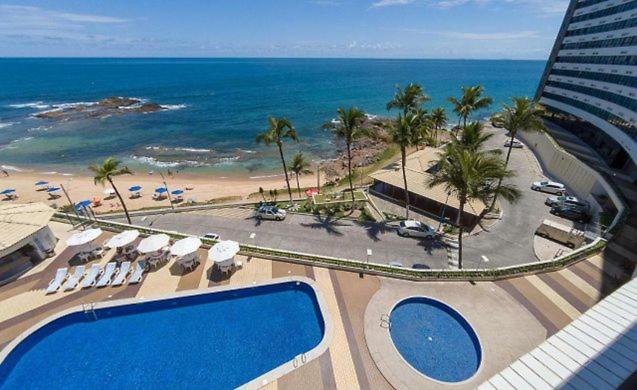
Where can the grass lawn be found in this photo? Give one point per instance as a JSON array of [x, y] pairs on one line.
[[344, 196]]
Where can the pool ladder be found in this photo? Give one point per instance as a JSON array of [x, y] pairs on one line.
[[89, 308], [385, 321], [299, 360]]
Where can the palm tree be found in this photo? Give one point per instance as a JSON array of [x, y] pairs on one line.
[[473, 137], [421, 128], [471, 176], [408, 99], [438, 119], [523, 115], [300, 166], [470, 101], [280, 128], [349, 129], [105, 171], [402, 135]]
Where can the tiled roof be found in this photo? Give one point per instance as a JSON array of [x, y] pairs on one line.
[[19, 221]]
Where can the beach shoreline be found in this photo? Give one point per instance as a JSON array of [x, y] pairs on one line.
[[205, 188]]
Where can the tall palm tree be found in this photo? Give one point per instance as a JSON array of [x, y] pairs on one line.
[[300, 166], [473, 137], [470, 101], [408, 99], [402, 135], [350, 129], [280, 128], [421, 128], [105, 172], [471, 176], [438, 119], [523, 115]]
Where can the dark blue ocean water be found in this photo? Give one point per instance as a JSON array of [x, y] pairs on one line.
[[218, 105], [214, 341]]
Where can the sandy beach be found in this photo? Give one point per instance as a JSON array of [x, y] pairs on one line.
[[204, 188]]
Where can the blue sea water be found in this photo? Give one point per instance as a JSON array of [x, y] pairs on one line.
[[435, 339], [217, 105], [214, 341]]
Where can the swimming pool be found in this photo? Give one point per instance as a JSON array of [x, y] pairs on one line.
[[435, 339], [221, 339]]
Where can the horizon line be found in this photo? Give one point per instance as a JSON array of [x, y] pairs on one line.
[[275, 58]]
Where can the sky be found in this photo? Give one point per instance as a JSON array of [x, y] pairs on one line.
[[472, 29]]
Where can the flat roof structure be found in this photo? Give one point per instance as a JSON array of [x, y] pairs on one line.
[[18, 222], [419, 168]]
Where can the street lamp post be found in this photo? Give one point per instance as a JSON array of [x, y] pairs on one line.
[[167, 190]]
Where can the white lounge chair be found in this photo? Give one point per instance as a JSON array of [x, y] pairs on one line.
[[74, 279], [124, 270], [110, 269], [89, 280], [136, 277], [57, 281]]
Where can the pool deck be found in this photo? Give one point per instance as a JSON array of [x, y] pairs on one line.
[[511, 317]]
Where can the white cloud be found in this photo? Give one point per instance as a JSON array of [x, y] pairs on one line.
[[389, 3], [548, 7]]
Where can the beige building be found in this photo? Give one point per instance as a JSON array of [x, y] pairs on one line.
[[435, 201], [25, 238]]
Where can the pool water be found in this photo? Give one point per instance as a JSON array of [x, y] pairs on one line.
[[218, 341], [435, 339]]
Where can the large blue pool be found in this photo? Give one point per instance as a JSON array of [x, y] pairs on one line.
[[217, 341], [435, 339]]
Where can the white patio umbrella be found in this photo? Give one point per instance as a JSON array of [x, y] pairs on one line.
[[223, 253], [122, 239], [84, 237], [153, 243], [109, 192], [185, 246]]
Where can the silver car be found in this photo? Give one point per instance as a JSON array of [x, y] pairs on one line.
[[570, 201], [514, 144], [271, 212], [416, 229], [550, 187]]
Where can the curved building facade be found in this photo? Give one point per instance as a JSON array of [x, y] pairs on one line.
[[589, 86]]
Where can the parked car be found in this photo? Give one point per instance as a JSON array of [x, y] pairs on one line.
[[572, 213], [567, 201], [516, 144], [416, 229], [550, 187], [271, 212], [396, 264], [211, 236]]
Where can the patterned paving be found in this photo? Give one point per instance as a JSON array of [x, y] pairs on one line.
[[554, 299], [557, 298]]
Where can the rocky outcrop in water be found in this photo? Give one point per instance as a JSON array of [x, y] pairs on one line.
[[101, 109]]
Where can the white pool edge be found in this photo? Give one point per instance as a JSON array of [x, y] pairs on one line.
[[255, 383]]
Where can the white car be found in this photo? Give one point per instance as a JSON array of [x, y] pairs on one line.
[[516, 144], [550, 187], [211, 236], [416, 229], [271, 212]]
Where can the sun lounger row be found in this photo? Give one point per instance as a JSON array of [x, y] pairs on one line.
[[111, 275]]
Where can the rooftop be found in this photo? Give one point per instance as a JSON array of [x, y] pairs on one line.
[[19, 221]]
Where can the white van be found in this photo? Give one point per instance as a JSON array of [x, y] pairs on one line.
[[562, 234]]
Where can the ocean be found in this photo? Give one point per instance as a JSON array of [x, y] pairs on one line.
[[213, 108]]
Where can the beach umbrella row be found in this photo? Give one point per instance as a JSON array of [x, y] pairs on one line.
[[153, 243], [135, 188], [8, 191], [223, 253], [53, 190], [83, 204], [122, 239], [84, 237]]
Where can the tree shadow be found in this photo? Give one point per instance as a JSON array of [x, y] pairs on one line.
[[327, 223], [431, 244], [375, 229]]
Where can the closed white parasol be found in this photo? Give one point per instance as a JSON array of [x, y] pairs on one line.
[[122, 239], [223, 253], [84, 237], [153, 243], [185, 247]]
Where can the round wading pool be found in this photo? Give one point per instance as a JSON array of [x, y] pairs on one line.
[[435, 339]]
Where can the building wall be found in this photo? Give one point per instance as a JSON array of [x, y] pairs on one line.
[[591, 76], [30, 252]]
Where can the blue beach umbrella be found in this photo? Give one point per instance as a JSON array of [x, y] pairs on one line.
[[53, 189], [135, 188], [41, 183], [83, 204], [161, 190], [8, 191], [178, 192]]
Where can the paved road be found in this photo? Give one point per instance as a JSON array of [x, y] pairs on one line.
[[307, 234], [511, 240]]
